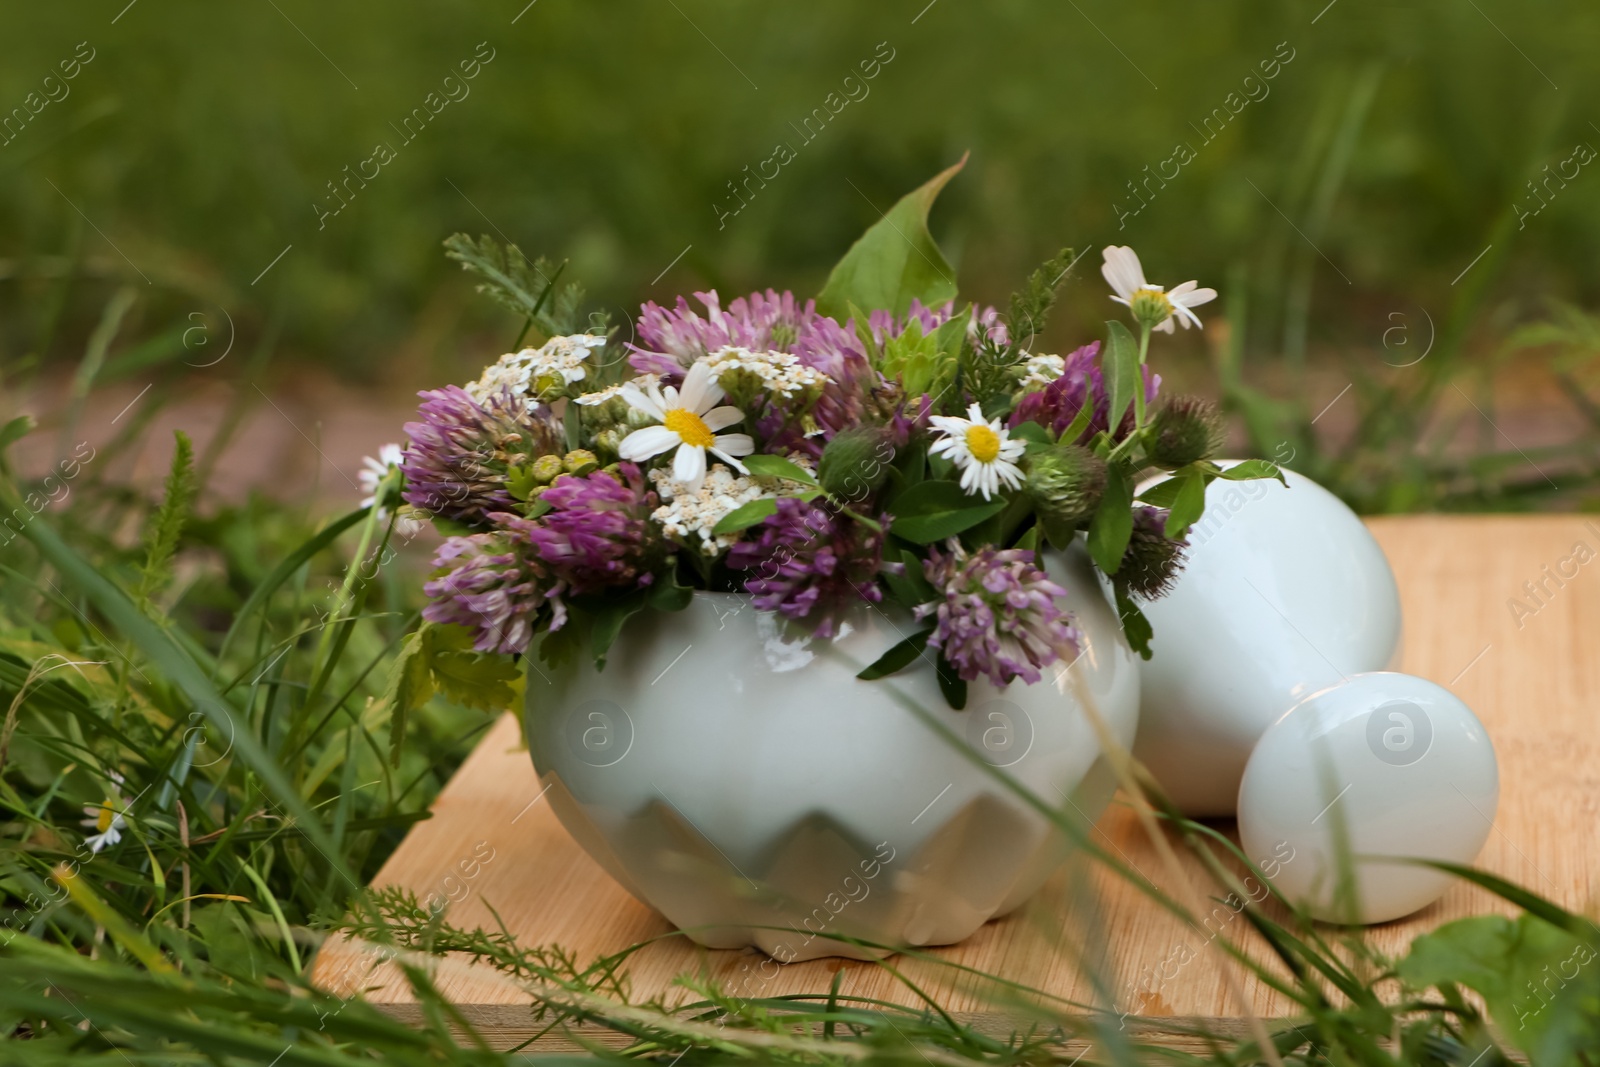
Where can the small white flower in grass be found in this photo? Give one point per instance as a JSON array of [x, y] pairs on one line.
[[375, 470], [982, 450], [690, 419], [106, 820], [1149, 303]]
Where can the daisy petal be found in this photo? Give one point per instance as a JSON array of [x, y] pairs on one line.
[[734, 444], [689, 466], [650, 441], [721, 418], [1122, 271], [1192, 298], [729, 460], [639, 399]]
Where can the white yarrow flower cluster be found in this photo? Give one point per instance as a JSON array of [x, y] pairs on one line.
[[1040, 371], [610, 392], [779, 373], [690, 514], [558, 362]]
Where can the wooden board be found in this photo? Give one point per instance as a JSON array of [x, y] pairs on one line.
[[1531, 674]]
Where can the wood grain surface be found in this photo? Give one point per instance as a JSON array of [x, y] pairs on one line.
[[1532, 674]]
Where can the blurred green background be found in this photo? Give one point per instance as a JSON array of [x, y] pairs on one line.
[[1374, 193]]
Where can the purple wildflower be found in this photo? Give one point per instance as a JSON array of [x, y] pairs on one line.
[[808, 563], [595, 535], [461, 450], [494, 586], [669, 340], [1081, 382], [998, 616]]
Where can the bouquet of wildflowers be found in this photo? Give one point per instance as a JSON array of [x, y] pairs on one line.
[[882, 443]]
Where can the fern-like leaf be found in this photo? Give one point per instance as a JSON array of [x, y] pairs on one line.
[[524, 288]]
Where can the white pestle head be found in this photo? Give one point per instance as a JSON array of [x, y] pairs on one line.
[[1360, 778]]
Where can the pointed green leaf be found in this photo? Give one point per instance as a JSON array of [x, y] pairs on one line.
[[1120, 364], [895, 261], [778, 467], [935, 509], [1113, 522], [745, 515], [901, 656], [1253, 468], [1188, 505]]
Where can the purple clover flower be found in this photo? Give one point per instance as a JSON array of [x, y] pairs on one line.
[[998, 616], [461, 450], [809, 563], [596, 535], [1081, 382], [494, 586]]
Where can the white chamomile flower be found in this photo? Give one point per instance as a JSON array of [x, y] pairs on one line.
[[375, 470], [985, 453], [106, 820], [689, 421], [1149, 303]]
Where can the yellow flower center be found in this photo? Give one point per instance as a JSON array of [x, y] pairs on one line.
[[689, 427], [983, 443], [102, 821]]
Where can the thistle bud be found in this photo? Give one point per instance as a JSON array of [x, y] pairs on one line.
[[855, 463], [1151, 561], [1187, 428], [580, 461], [546, 469], [1064, 484]]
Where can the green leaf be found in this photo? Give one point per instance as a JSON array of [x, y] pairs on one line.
[[16, 430], [609, 616], [1189, 503], [1029, 541], [778, 467], [667, 595], [746, 515], [1521, 967], [933, 510], [1113, 522], [907, 583], [410, 685], [1162, 494], [473, 679], [1253, 468], [1135, 624], [1031, 304], [1120, 364], [951, 684], [901, 656], [1032, 433], [524, 288], [895, 261]]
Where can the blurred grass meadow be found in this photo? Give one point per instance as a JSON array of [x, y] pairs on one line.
[[1363, 182], [226, 219]]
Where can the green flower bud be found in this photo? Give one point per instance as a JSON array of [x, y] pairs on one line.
[[855, 463], [1186, 429], [580, 461], [1064, 484], [608, 442], [546, 469]]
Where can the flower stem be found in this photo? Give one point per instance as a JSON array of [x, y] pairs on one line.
[[1138, 386]]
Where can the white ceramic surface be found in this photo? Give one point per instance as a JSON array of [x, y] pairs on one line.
[[733, 773], [1284, 592], [1404, 765]]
